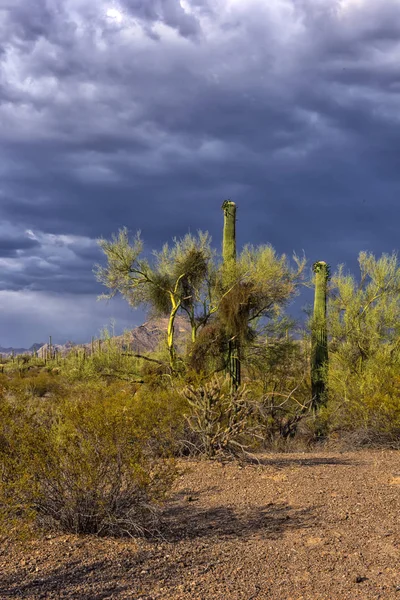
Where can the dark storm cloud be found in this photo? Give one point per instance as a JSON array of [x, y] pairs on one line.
[[48, 263], [10, 247], [32, 317], [148, 113]]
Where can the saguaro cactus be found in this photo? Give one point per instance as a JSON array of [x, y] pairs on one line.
[[229, 235], [319, 336], [229, 260]]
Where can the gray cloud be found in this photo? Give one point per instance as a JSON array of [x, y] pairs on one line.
[[10, 247], [150, 113], [35, 261], [30, 317], [168, 12]]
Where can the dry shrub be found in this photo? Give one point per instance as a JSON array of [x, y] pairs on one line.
[[219, 421], [235, 308], [84, 464], [208, 353]]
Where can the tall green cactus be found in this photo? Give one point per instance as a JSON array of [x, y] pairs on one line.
[[319, 336], [229, 236], [229, 260]]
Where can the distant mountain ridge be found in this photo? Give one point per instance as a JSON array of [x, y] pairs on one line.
[[16, 351], [140, 340]]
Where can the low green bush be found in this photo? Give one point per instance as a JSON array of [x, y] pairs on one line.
[[366, 403], [86, 462], [36, 383]]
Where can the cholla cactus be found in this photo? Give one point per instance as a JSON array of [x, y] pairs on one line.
[[319, 336]]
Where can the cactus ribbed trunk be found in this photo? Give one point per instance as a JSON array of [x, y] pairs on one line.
[[229, 260], [229, 237], [319, 336]]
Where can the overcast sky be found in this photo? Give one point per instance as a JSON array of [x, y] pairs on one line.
[[149, 113]]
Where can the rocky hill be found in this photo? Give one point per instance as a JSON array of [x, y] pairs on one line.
[[140, 340], [149, 336]]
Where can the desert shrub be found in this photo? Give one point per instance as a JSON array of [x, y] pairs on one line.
[[36, 383], [366, 402], [88, 463], [111, 362], [277, 374], [219, 421], [156, 371], [162, 409]]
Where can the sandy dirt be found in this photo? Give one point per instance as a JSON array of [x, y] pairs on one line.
[[315, 526]]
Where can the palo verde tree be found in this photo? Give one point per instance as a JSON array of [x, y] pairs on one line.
[[364, 312], [177, 280], [260, 285], [364, 347], [255, 287], [319, 336]]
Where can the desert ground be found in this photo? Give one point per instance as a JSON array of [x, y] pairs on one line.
[[304, 526]]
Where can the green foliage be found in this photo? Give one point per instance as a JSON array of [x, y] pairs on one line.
[[163, 407], [109, 361], [277, 360], [364, 316], [185, 262], [364, 327], [92, 461], [125, 272], [35, 383], [368, 405], [207, 355], [86, 439], [177, 281], [264, 283], [278, 376]]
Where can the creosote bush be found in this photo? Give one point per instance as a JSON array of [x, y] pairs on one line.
[[36, 383], [89, 462]]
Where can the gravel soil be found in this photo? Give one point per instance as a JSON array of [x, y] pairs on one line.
[[314, 526]]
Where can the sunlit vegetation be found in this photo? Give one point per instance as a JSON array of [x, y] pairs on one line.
[[89, 437]]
